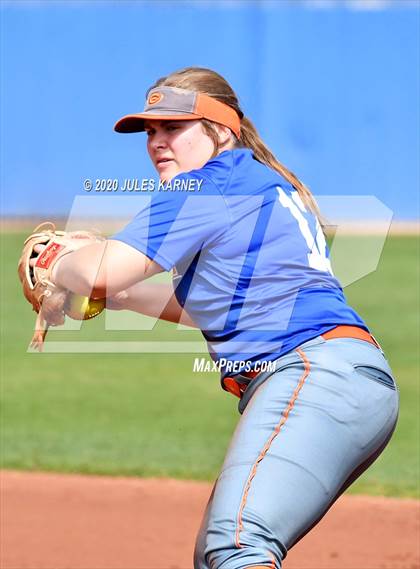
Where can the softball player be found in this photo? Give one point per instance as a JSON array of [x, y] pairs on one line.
[[252, 272]]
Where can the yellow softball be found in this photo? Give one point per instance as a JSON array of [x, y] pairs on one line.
[[82, 307]]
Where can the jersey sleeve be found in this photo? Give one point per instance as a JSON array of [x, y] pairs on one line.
[[175, 225]]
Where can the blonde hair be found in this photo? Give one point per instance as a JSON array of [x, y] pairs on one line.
[[211, 83]]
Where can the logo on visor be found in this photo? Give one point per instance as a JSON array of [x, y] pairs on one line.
[[155, 98]]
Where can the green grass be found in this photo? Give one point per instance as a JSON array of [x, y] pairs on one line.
[[149, 415], [388, 300]]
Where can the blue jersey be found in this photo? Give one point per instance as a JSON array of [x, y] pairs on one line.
[[250, 261]]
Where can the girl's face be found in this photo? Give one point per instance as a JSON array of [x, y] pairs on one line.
[[177, 146]]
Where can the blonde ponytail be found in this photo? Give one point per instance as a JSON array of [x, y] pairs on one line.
[[251, 139]]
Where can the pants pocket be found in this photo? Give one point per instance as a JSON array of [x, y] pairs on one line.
[[376, 374]]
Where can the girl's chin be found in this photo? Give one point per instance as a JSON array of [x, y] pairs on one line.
[[167, 171], [167, 176]]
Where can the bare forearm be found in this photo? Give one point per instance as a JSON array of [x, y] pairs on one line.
[[103, 269], [156, 300], [115, 270]]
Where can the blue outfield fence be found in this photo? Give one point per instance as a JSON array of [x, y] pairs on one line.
[[333, 88]]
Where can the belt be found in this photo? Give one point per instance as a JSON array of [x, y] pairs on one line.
[[237, 388], [350, 332]]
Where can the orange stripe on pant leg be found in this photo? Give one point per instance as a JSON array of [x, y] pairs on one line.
[[267, 445], [273, 565]]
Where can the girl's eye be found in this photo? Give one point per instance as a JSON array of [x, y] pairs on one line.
[[172, 127]]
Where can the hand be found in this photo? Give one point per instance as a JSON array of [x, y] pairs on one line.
[[42, 251]]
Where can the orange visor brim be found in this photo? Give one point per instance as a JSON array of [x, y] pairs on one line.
[[135, 123], [173, 104]]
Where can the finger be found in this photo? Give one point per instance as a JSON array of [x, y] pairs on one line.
[[37, 249]]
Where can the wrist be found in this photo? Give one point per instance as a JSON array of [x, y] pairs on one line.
[[118, 302]]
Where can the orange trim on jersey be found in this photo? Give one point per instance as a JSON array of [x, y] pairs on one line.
[[307, 368]]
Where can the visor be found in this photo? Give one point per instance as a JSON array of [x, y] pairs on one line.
[[172, 103]]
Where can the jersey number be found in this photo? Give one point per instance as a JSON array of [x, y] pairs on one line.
[[317, 256]]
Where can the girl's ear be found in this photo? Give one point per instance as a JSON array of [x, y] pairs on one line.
[[224, 134]]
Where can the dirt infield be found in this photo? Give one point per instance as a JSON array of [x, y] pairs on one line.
[[19, 224], [75, 522]]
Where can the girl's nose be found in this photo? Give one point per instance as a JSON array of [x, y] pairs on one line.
[[159, 140]]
